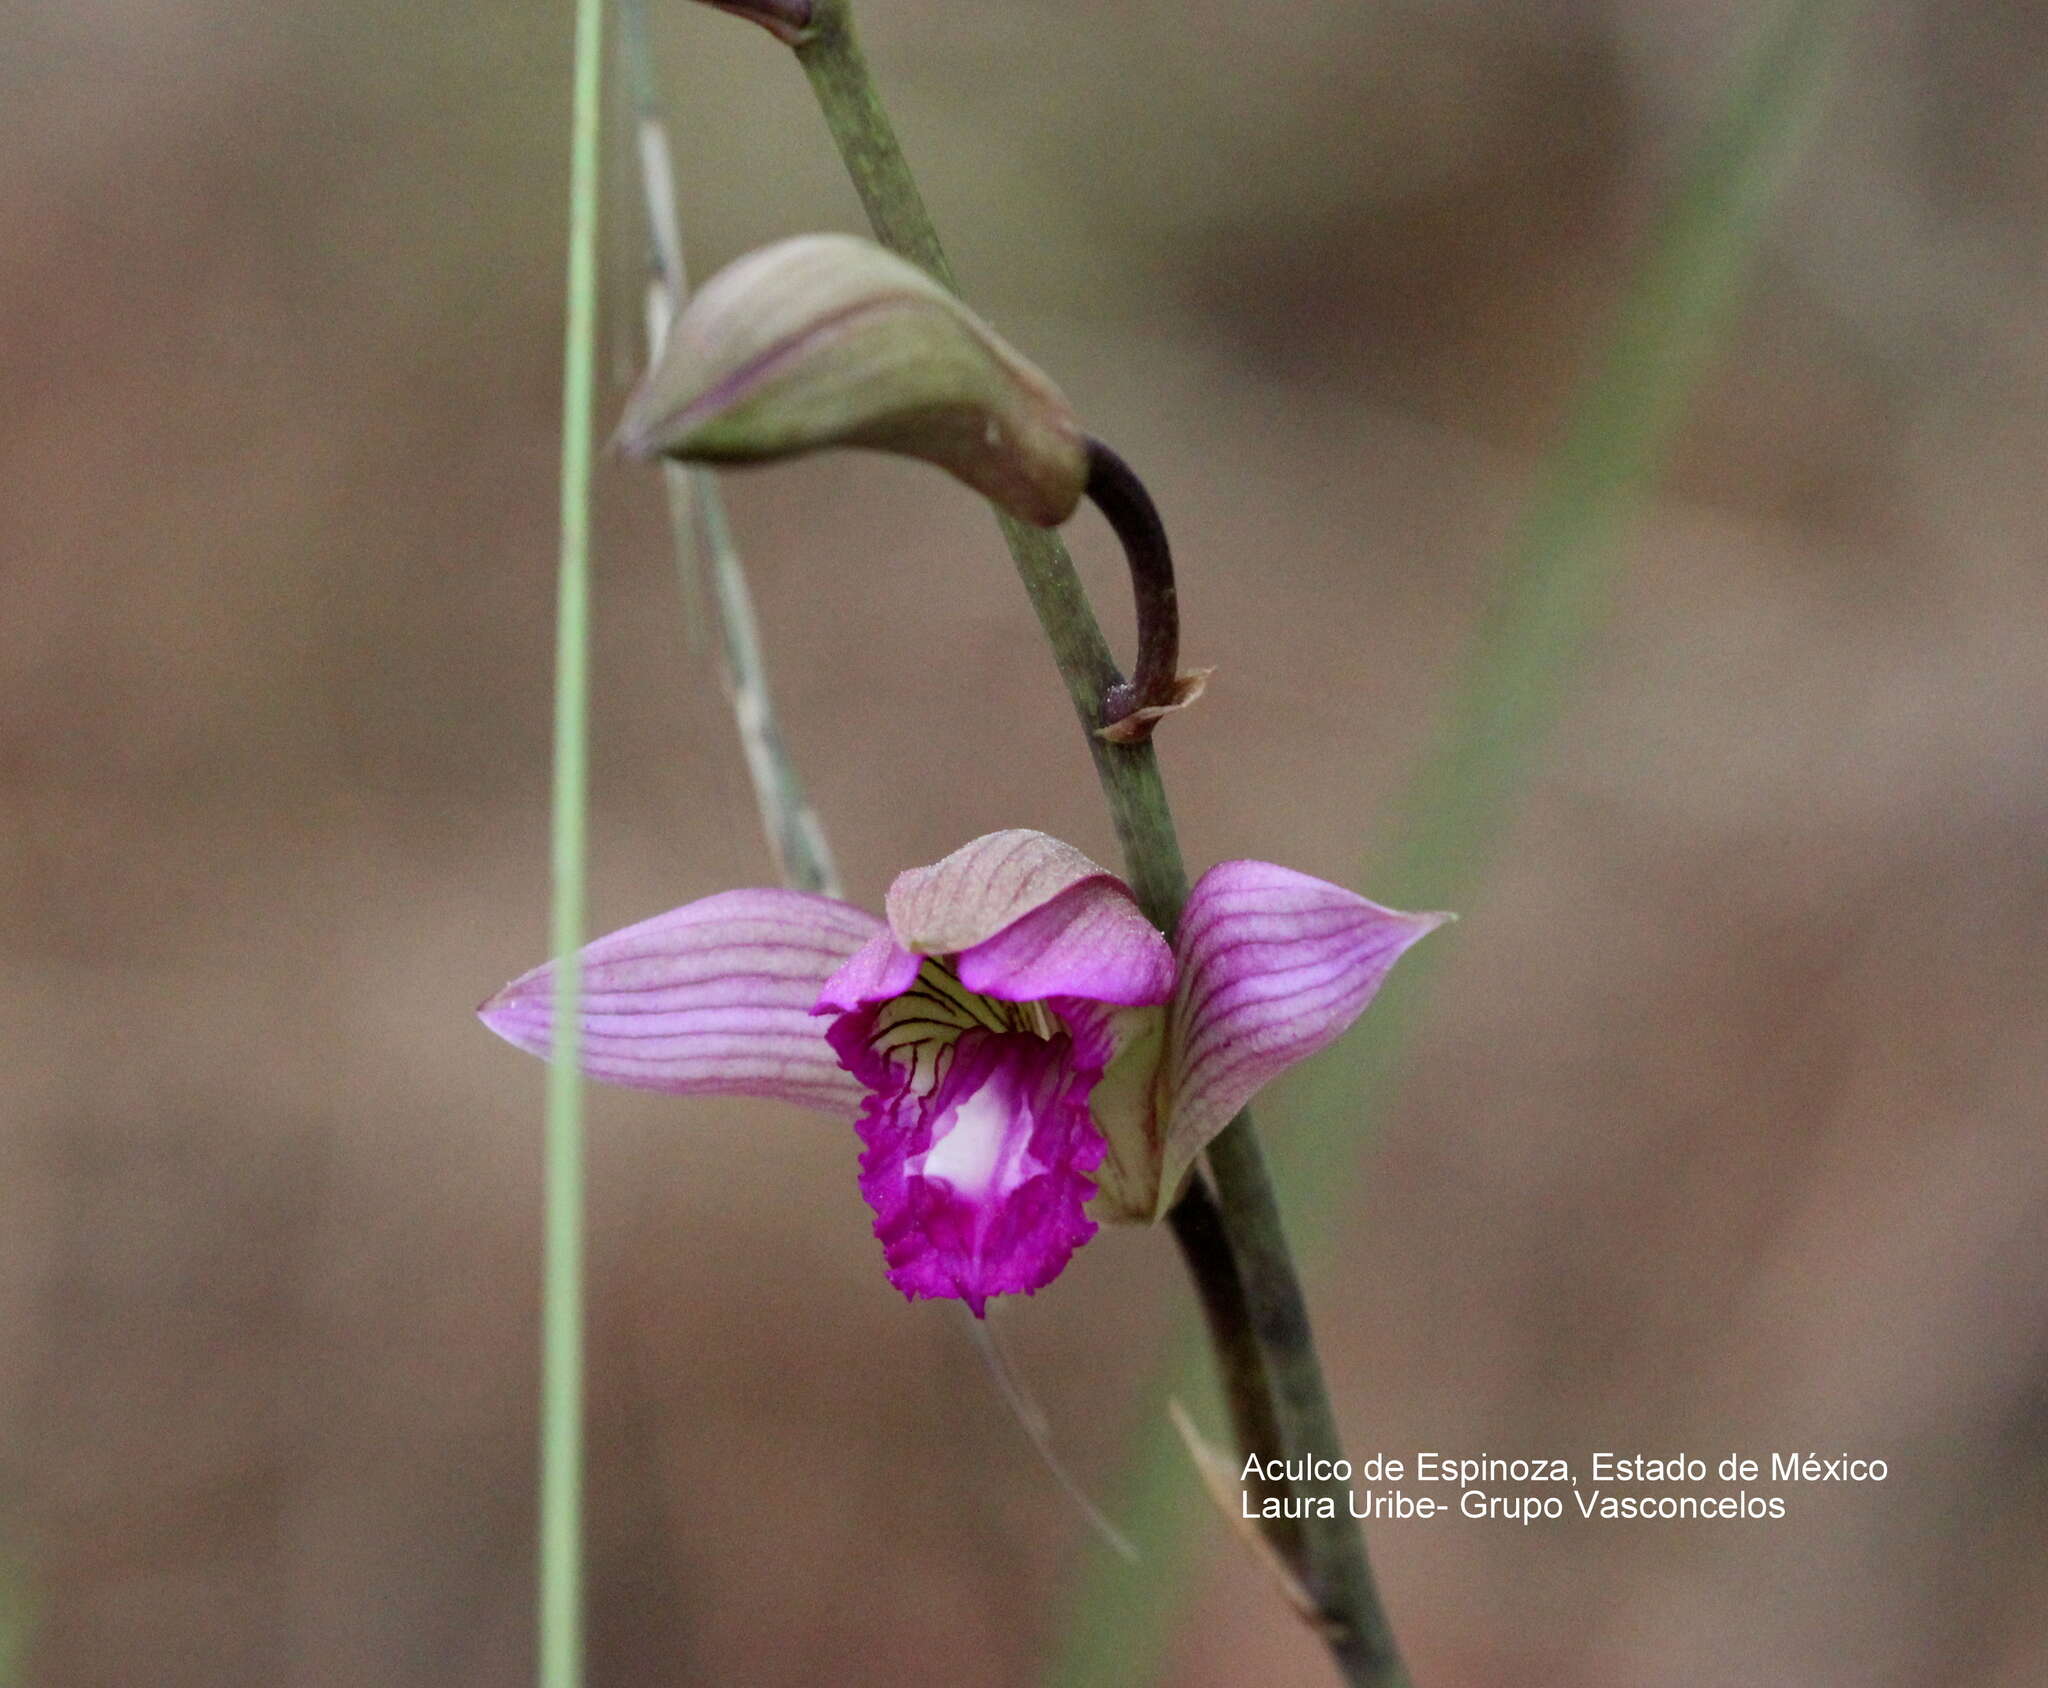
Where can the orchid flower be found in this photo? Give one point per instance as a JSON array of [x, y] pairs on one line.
[[1018, 1047]]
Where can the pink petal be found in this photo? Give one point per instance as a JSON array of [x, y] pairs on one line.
[[978, 1188], [1030, 917], [713, 998], [981, 888], [1089, 941], [879, 969], [1274, 966]]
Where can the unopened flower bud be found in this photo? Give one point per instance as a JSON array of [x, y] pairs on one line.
[[786, 20], [827, 340]]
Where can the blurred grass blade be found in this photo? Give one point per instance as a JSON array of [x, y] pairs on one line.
[[1556, 583], [1568, 550], [560, 1637], [1564, 559], [796, 837]]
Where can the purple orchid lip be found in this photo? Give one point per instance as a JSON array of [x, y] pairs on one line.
[[1015, 1043], [979, 1185]]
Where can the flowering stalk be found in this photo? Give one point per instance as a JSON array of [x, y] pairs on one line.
[[1020, 1049], [1279, 1400], [831, 57]]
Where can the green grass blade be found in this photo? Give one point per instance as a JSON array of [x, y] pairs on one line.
[[1558, 578], [560, 1616]]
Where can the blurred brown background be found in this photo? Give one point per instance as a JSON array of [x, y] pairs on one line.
[[1726, 1130]]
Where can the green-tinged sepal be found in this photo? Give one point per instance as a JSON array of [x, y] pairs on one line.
[[1127, 1111], [826, 340]]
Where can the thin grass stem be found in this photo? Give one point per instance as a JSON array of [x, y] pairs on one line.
[[560, 1638]]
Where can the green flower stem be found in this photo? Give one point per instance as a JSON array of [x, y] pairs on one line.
[[1560, 570], [1129, 773], [1280, 1403], [831, 56], [1226, 1310]]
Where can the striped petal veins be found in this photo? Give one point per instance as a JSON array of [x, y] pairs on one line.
[[1015, 1042]]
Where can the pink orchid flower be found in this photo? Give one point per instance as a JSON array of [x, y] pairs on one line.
[[1016, 1044]]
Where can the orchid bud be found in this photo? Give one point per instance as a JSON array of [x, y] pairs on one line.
[[827, 340], [787, 20]]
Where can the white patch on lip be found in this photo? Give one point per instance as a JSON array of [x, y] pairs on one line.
[[986, 1146]]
